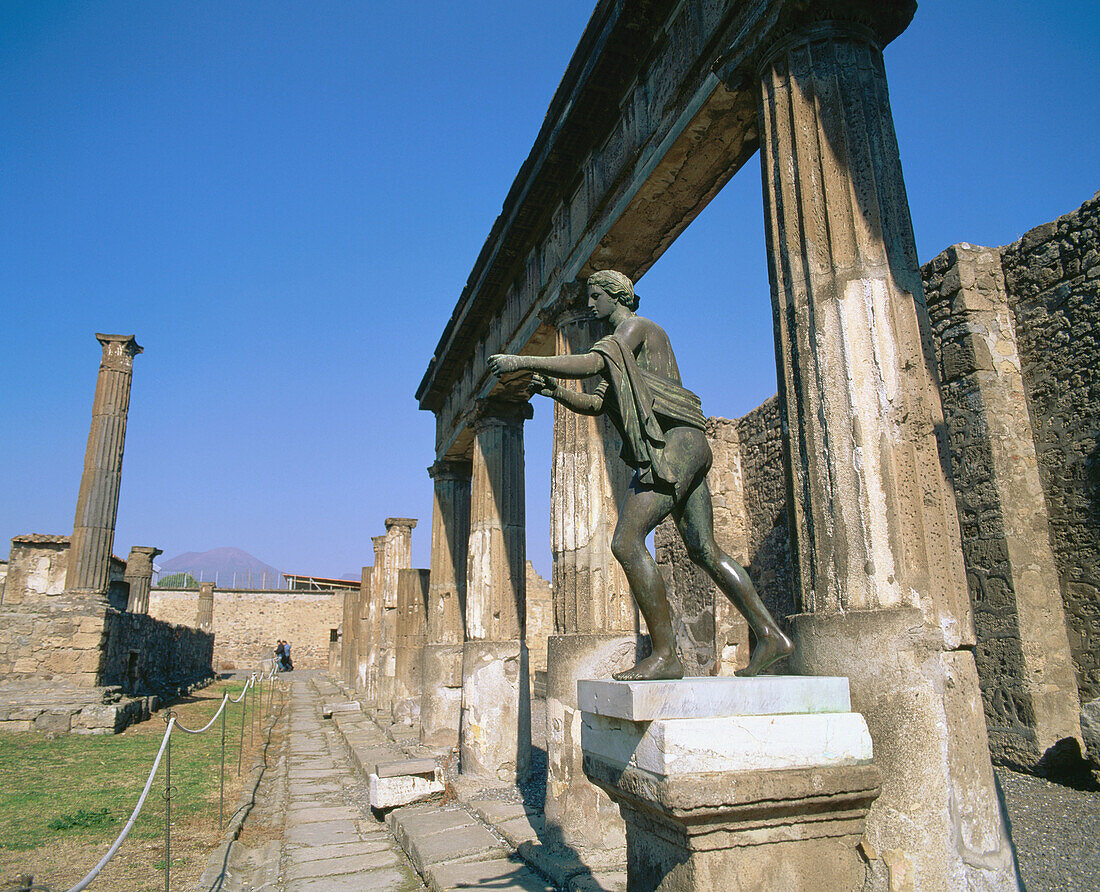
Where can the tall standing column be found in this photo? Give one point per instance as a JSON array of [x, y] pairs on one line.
[[441, 683], [205, 616], [97, 502], [370, 626], [349, 636], [139, 574], [877, 548], [595, 620], [496, 695], [398, 557], [412, 597]]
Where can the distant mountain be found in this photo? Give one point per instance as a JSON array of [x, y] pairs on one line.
[[220, 565]]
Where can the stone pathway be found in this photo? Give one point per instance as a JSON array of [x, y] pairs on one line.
[[330, 842], [333, 842]]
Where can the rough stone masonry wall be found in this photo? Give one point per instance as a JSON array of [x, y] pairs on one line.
[[143, 654], [248, 623], [1052, 276]]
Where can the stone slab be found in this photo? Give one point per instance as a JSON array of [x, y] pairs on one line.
[[470, 843], [504, 874], [406, 766], [338, 850], [679, 747], [328, 710], [391, 792], [345, 864], [691, 698], [385, 879]]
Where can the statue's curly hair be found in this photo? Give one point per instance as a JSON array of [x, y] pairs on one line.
[[617, 285]]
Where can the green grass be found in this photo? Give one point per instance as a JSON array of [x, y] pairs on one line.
[[83, 788]]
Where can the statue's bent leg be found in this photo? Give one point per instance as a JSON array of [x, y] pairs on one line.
[[641, 511], [695, 520]]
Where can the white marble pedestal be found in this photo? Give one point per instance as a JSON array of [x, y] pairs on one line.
[[733, 783]]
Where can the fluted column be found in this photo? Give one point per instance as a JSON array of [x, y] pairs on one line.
[[97, 501], [349, 638], [204, 619], [370, 627], [398, 556], [441, 683], [876, 536], [139, 574], [496, 706], [595, 620], [412, 596]]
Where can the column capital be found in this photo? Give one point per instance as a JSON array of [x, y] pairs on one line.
[[118, 350], [406, 522], [569, 307], [146, 550], [500, 410], [379, 543], [455, 469]]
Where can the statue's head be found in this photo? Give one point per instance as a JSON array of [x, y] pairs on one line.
[[616, 285]]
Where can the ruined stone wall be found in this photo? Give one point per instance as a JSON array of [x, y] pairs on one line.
[[37, 566], [143, 654], [248, 623], [51, 641], [540, 619], [1052, 276], [765, 496]]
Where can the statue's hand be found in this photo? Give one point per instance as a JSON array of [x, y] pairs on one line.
[[541, 385], [504, 363]]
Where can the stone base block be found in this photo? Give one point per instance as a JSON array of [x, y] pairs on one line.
[[576, 810], [939, 823], [496, 710], [441, 695], [741, 801], [389, 789], [330, 709]]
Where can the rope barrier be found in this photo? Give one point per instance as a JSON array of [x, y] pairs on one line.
[[206, 727], [165, 745], [94, 872]]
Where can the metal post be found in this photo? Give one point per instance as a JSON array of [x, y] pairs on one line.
[[244, 709], [168, 810], [252, 720], [221, 790]]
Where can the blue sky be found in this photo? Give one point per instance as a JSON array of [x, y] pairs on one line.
[[282, 200]]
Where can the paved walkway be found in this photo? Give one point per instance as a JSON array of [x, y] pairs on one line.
[[333, 842]]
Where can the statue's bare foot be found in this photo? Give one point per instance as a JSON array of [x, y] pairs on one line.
[[768, 650], [653, 667]]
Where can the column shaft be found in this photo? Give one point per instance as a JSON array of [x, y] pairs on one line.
[[398, 557], [873, 517], [441, 685], [496, 707], [97, 501], [139, 574]]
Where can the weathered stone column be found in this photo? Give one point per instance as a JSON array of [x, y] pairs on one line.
[[97, 502], [349, 636], [205, 617], [496, 694], [1023, 654], [441, 684], [876, 536], [412, 597], [139, 574], [398, 557], [370, 625], [595, 620]]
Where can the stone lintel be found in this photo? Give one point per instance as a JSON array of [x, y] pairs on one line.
[[645, 701]]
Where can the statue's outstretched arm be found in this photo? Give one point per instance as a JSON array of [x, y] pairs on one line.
[[582, 365], [578, 401]]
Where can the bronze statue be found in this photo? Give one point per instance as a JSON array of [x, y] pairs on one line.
[[662, 427]]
